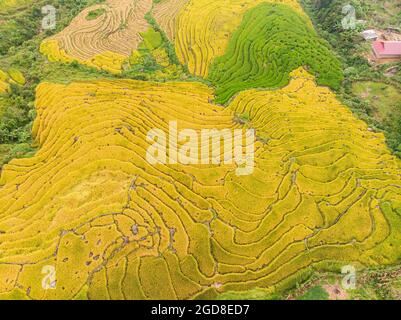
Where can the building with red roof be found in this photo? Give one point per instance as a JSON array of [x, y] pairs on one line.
[[387, 49]]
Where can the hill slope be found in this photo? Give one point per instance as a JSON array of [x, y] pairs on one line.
[[325, 190], [90, 204]]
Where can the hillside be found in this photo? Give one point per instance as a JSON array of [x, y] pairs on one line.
[[371, 88], [85, 201]]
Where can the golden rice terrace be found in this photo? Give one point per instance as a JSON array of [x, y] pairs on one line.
[[325, 190]]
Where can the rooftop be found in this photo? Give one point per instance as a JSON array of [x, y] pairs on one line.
[[387, 48]]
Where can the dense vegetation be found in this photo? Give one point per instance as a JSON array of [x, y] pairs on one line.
[[272, 41], [315, 293]]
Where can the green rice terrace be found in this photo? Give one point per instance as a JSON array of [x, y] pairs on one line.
[[272, 41]]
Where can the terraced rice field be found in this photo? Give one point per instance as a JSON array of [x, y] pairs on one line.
[[325, 190], [4, 86], [104, 42], [13, 76], [115, 226]]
